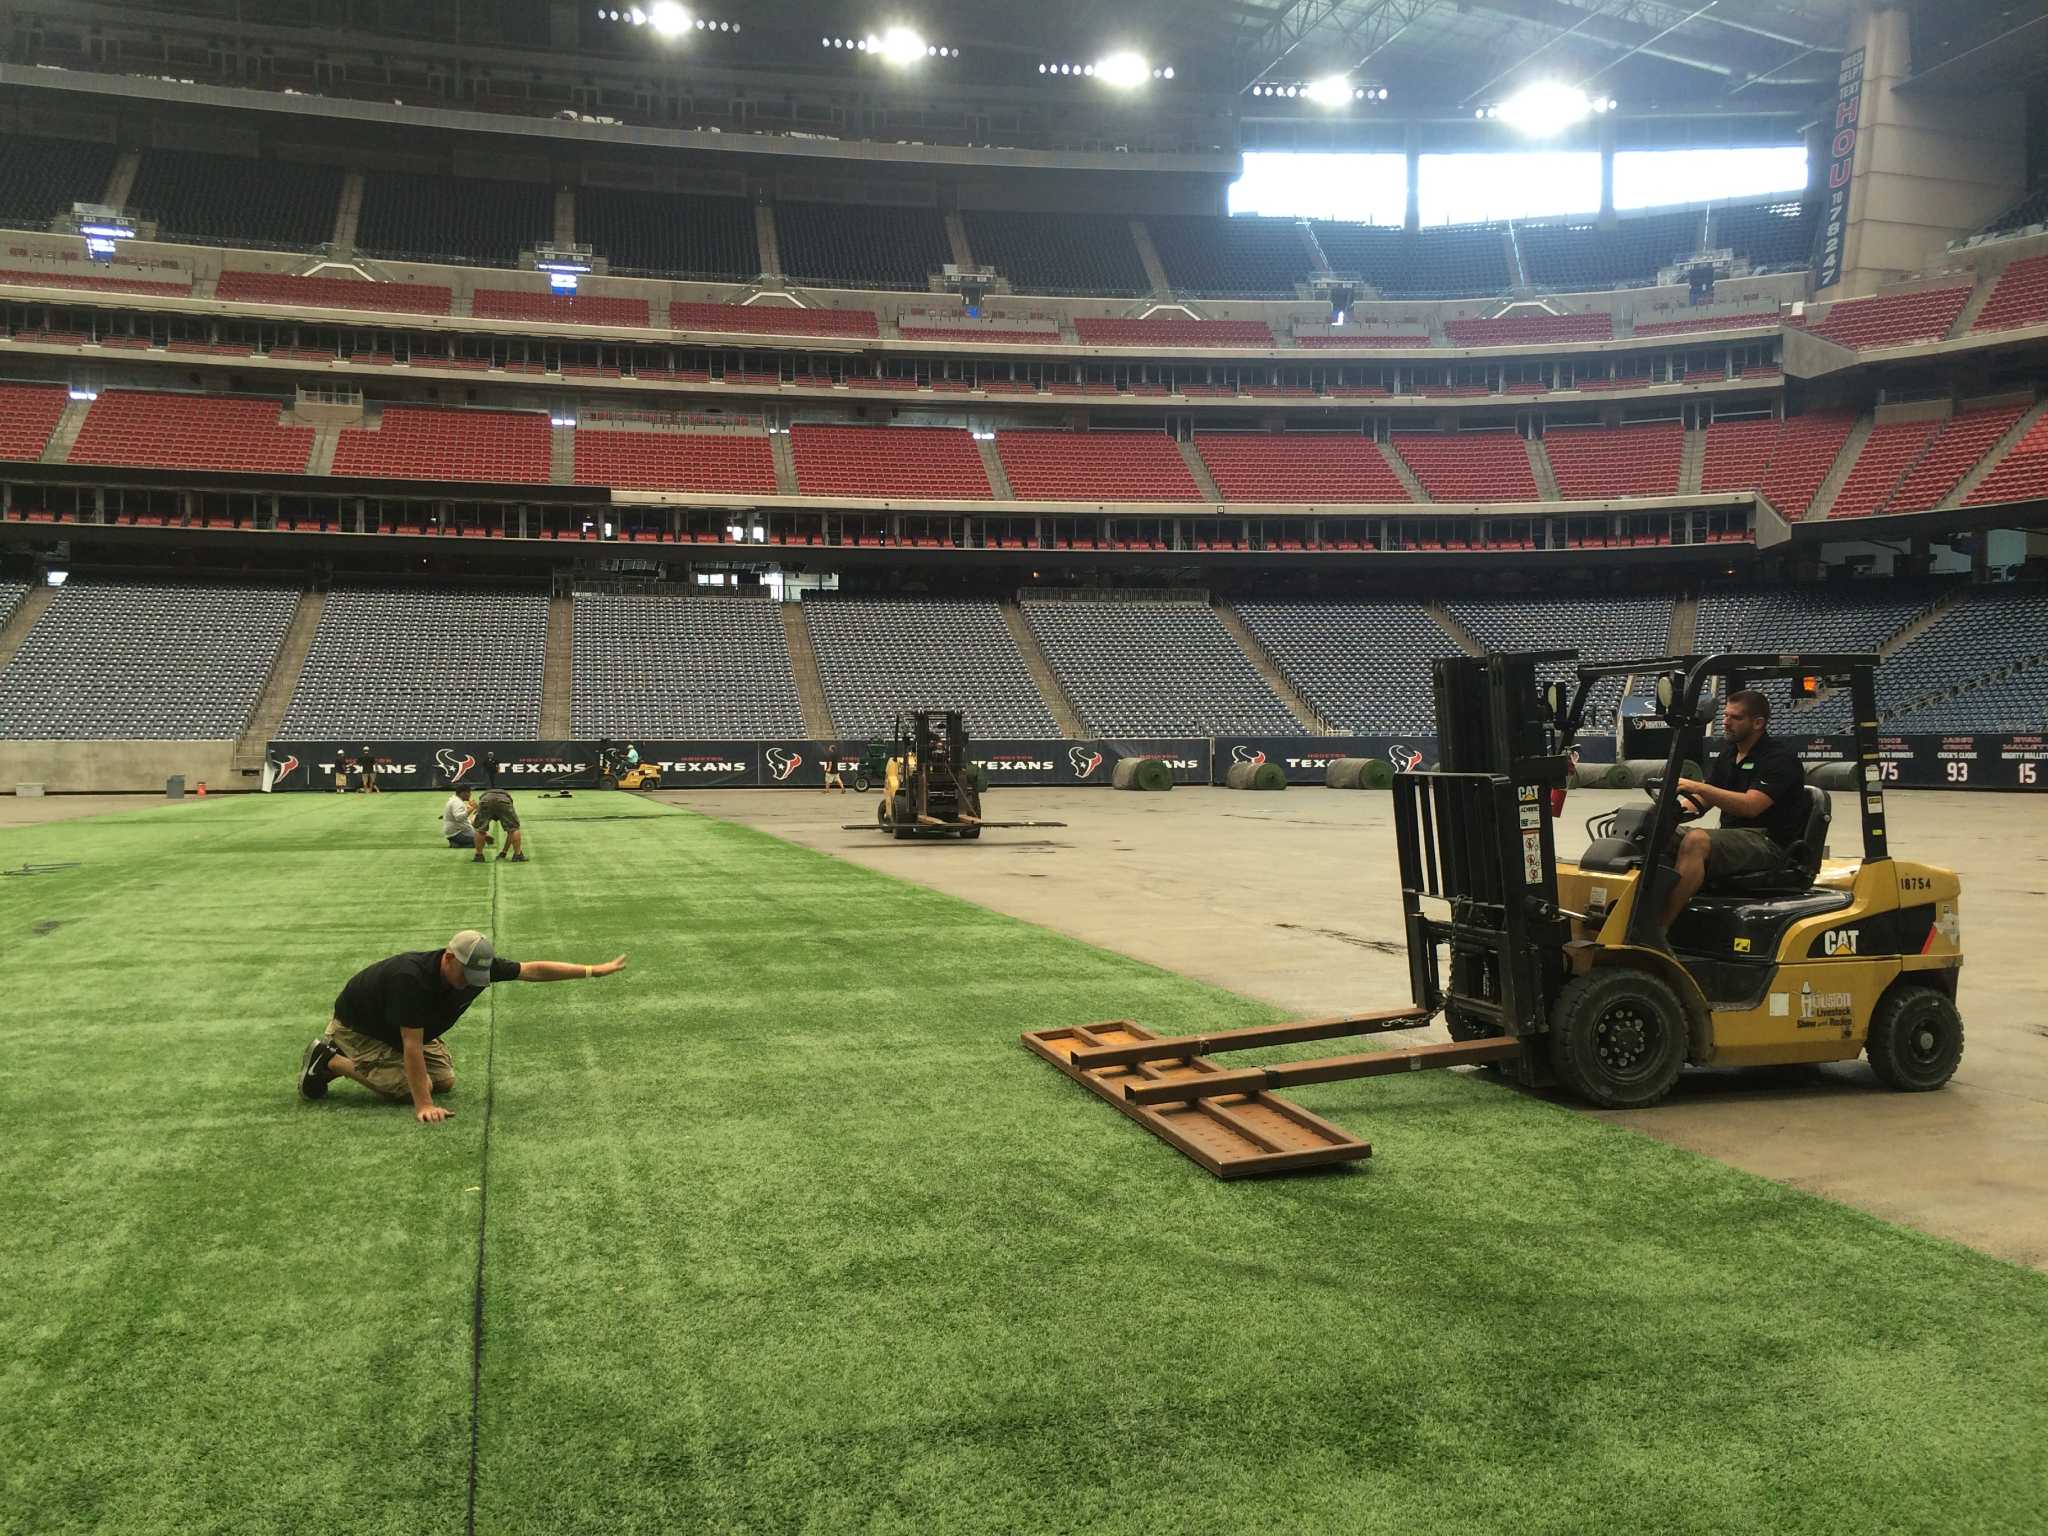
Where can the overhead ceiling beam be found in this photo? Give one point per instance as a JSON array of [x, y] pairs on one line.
[[1558, 17], [1361, 24]]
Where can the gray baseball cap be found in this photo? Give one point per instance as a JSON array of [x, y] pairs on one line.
[[474, 953]]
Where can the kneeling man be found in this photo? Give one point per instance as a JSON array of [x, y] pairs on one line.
[[390, 1017]]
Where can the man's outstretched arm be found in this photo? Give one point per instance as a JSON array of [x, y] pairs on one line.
[[563, 970]]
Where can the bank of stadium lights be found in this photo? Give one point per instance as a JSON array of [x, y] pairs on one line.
[[666, 19], [1330, 91], [1125, 71], [1546, 108], [898, 45]]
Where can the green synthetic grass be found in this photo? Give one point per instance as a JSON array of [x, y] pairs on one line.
[[785, 1231]]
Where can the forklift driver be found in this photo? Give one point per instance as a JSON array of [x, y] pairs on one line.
[[1755, 784]]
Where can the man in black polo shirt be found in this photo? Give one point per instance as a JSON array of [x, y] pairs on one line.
[[1756, 784], [390, 1017]]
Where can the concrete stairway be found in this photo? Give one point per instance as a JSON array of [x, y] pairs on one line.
[[1460, 635], [1262, 659], [22, 620], [348, 213], [1692, 463], [121, 181], [998, 477], [565, 216], [558, 674], [1148, 254], [810, 682], [561, 456], [1979, 296], [1200, 471], [326, 438], [279, 687], [1404, 474], [1320, 261], [58, 449], [784, 455], [1990, 461], [1685, 623], [767, 244], [1546, 477], [956, 240], [1922, 622], [1838, 475], [1040, 667]]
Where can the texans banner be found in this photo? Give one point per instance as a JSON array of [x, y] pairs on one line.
[[1834, 208], [2017, 762], [1307, 759], [1084, 762]]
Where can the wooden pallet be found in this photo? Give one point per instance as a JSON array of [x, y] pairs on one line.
[[1234, 1136]]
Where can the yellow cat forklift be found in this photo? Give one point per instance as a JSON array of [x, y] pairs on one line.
[[930, 787], [1560, 972]]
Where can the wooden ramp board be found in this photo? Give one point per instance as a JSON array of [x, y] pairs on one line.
[[1234, 1136]]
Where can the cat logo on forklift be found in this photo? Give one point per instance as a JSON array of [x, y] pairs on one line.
[[1839, 941]]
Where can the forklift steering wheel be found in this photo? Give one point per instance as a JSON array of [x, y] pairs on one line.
[[1655, 787]]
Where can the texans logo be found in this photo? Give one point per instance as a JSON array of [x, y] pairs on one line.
[[782, 762], [1246, 755], [1404, 759], [283, 769], [453, 765], [1083, 761]]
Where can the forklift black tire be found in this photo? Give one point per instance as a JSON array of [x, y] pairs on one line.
[[1916, 1039], [863, 783], [969, 834], [1618, 1037], [606, 781], [900, 815]]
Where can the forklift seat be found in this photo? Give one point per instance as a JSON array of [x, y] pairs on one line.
[[1802, 860]]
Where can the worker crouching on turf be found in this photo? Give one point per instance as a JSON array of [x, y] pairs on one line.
[[455, 821], [1755, 784], [390, 1017], [496, 805]]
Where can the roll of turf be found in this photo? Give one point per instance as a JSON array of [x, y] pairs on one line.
[[1256, 776], [1141, 773], [1637, 772], [1346, 773], [977, 775], [1616, 777], [1835, 775], [1378, 774]]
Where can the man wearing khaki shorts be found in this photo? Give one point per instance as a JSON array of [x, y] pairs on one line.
[[390, 1017], [496, 805]]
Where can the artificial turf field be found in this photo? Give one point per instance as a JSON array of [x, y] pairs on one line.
[[782, 1230]]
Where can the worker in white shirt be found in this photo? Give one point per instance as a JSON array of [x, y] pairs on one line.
[[455, 820]]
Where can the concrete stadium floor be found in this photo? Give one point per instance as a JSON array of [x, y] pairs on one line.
[[33, 811], [1292, 899]]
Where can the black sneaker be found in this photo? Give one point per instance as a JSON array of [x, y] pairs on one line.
[[518, 858], [314, 1073]]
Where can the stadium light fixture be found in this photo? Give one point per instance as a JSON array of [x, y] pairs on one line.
[[1546, 108], [668, 18], [898, 45], [1125, 70]]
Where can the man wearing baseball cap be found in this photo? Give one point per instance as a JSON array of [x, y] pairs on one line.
[[390, 1017]]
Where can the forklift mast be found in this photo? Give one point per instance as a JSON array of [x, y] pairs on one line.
[[1477, 857]]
